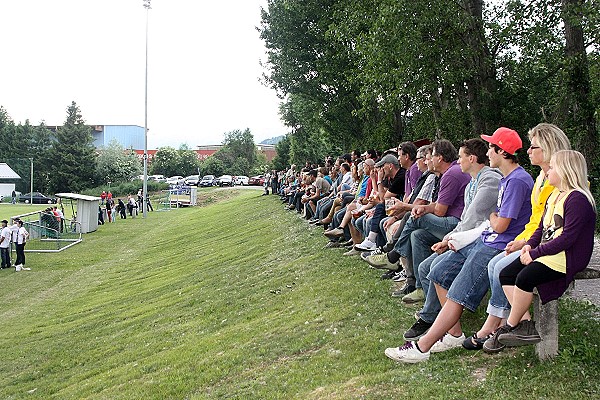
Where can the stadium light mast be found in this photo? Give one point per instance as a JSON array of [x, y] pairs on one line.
[[145, 187]]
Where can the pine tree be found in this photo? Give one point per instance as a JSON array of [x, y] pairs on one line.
[[73, 155]]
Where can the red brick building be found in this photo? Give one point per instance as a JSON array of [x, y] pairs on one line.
[[203, 152]]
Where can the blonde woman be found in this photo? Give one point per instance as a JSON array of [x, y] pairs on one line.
[[560, 247]]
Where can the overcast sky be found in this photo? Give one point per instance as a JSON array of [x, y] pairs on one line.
[[203, 66]]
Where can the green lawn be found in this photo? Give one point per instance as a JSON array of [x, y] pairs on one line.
[[237, 299]]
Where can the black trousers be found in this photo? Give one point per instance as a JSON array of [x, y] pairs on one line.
[[528, 277], [20, 254]]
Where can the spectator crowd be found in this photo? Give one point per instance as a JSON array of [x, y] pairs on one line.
[[451, 224]]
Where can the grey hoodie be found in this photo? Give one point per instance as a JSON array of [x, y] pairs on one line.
[[484, 201]]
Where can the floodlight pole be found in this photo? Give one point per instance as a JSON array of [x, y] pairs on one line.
[[145, 187], [31, 183]]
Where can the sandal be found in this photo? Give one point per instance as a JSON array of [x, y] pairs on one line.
[[475, 343]]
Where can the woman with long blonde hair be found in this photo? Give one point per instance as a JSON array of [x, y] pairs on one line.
[[561, 246]]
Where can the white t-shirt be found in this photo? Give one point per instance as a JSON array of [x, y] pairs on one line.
[[14, 229], [22, 236], [347, 178], [7, 235]]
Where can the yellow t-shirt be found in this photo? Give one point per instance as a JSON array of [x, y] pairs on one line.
[[539, 195], [554, 221]]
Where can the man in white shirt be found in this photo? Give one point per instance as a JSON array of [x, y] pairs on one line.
[[5, 236], [22, 237]]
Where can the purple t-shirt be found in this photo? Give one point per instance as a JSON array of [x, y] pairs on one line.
[[410, 179], [452, 190], [514, 201]]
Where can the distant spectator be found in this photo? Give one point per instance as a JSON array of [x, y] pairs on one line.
[[22, 236], [122, 210], [5, 237]]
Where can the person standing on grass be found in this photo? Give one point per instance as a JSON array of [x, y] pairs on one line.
[[560, 247], [13, 197], [109, 206], [22, 236], [5, 237], [122, 209]]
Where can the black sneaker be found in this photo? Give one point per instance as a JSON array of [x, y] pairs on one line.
[[521, 335], [388, 275], [388, 247], [406, 289], [418, 329], [493, 345]]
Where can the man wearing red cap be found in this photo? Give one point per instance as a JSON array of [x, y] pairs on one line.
[[461, 279]]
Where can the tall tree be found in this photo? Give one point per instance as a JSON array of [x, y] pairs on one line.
[[40, 145], [116, 164], [73, 155], [304, 59], [166, 162], [188, 161], [578, 100], [237, 156]]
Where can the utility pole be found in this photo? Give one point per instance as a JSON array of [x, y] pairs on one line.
[[145, 187]]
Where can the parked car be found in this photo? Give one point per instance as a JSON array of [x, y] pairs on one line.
[[224, 180], [192, 180], [207, 180], [176, 180], [36, 198], [257, 180], [240, 180], [157, 178]]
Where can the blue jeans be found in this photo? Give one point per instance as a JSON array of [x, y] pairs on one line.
[[498, 306], [417, 237], [323, 206], [337, 220], [5, 255], [432, 306], [470, 282]]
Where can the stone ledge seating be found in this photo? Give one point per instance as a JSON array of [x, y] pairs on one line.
[[546, 317]]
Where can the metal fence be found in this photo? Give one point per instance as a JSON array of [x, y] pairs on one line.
[[48, 234]]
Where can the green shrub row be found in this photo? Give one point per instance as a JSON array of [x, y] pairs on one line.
[[125, 188]]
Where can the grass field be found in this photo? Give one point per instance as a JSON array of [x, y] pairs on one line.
[[237, 299]]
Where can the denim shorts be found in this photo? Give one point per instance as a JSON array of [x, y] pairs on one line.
[[465, 275]]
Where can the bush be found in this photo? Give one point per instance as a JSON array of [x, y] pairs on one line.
[[124, 188]]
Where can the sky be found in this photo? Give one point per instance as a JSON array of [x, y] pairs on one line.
[[203, 66]]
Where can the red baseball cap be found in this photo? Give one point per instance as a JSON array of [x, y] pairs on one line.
[[505, 138]]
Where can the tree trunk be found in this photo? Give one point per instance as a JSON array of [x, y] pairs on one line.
[[580, 110], [482, 86]]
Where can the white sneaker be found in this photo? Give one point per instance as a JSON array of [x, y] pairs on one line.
[[366, 245], [18, 268], [366, 254], [25, 269], [352, 252], [380, 261], [447, 342], [399, 277], [407, 353]]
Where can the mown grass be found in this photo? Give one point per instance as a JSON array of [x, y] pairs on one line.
[[238, 299]]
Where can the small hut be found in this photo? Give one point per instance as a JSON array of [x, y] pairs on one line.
[[84, 209]]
